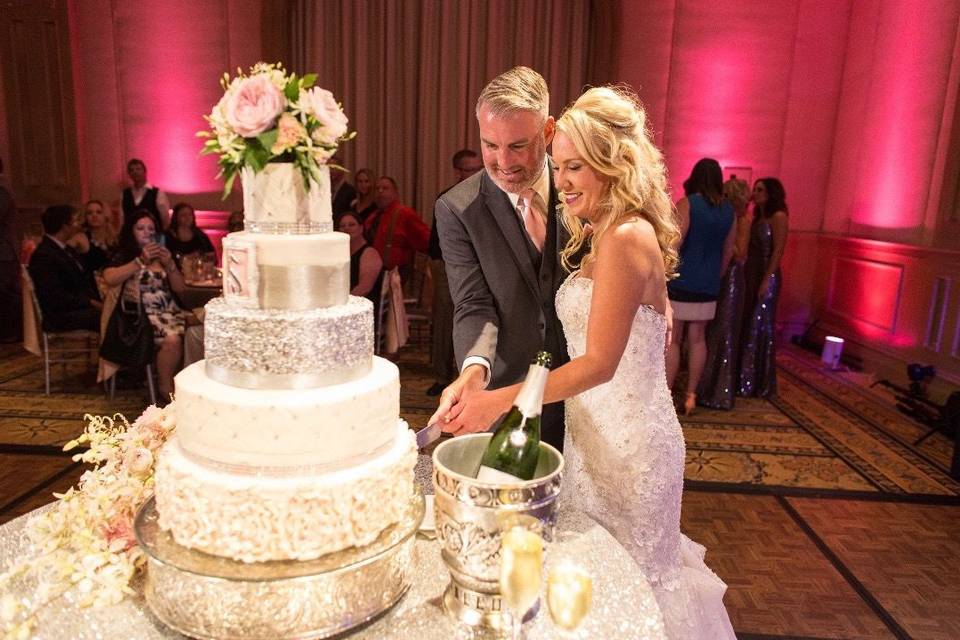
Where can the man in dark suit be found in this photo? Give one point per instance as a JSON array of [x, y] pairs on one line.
[[67, 294], [342, 192], [501, 236]]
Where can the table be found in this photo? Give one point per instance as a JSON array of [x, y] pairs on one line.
[[624, 605], [198, 294]]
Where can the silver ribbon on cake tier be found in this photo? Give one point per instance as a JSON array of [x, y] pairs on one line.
[[267, 381], [303, 286]]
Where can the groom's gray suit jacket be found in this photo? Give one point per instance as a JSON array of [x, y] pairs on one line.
[[503, 290]]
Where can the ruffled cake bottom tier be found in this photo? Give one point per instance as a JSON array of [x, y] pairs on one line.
[[256, 518]]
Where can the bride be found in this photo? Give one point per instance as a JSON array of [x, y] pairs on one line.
[[624, 448]]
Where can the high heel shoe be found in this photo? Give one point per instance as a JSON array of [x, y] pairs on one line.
[[689, 403]]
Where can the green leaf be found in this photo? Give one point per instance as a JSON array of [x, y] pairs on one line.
[[228, 185], [308, 80], [292, 90], [267, 138]]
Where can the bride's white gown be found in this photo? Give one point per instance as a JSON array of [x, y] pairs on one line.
[[624, 455]]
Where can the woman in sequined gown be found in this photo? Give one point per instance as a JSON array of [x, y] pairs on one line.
[[768, 237], [624, 450], [719, 382]]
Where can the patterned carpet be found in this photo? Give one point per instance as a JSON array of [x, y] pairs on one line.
[[823, 432]]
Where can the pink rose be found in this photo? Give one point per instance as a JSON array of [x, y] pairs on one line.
[[321, 104], [289, 133], [253, 105], [119, 533]]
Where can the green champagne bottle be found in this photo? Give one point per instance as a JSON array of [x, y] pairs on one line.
[[514, 448]]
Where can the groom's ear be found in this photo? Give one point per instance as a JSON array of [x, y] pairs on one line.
[[549, 129]]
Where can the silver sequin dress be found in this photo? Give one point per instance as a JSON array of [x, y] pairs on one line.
[[624, 455], [758, 365]]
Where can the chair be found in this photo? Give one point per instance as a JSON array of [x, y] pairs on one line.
[[418, 298], [53, 346], [381, 317]]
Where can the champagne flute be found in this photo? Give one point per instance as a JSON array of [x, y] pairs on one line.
[[569, 595], [521, 565]]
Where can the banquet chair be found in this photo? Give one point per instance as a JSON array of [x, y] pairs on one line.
[[418, 298], [55, 347], [381, 316]]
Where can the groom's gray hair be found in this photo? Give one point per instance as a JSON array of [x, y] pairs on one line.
[[519, 89]]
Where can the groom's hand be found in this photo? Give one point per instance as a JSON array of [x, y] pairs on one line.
[[470, 380]]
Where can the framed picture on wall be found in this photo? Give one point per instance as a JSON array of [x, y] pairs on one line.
[[744, 173]]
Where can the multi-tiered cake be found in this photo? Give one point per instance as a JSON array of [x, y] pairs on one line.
[[288, 443]]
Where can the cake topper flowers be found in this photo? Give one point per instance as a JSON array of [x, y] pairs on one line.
[[268, 116]]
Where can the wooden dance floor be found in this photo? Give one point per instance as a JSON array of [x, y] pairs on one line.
[[816, 508]]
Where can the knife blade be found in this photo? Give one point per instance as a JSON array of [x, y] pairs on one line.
[[428, 434]]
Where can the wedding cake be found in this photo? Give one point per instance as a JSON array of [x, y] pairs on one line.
[[288, 442]]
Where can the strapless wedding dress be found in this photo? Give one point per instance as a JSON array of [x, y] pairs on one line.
[[624, 455]]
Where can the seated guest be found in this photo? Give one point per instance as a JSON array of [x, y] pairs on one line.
[[365, 202], [65, 289], [184, 236], [148, 274], [100, 235], [366, 266], [395, 230], [235, 221], [342, 192], [143, 195]]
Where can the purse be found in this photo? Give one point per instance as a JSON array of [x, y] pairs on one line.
[[128, 340]]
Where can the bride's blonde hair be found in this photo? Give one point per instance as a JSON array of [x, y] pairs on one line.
[[608, 127]]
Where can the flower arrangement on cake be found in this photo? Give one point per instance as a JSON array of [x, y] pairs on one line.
[[269, 115], [86, 539]]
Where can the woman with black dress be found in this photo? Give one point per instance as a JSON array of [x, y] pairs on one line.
[[365, 202], [366, 266], [184, 236]]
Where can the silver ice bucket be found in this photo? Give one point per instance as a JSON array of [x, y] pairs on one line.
[[470, 516]]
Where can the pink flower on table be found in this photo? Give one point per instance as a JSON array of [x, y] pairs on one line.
[[119, 533], [253, 105], [321, 104], [289, 133]]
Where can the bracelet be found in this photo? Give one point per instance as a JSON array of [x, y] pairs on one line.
[[140, 262]]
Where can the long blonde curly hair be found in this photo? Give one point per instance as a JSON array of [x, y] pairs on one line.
[[608, 127]]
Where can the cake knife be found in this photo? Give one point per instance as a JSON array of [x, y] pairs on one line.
[[428, 434]]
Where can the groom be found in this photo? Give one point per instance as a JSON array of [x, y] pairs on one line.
[[501, 236]]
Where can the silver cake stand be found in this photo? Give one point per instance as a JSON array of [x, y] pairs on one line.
[[215, 598]]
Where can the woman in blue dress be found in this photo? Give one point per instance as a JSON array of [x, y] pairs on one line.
[[708, 233]]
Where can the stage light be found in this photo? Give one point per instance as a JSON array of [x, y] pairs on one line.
[[832, 350]]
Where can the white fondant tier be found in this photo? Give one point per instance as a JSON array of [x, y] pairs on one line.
[[286, 271], [258, 518], [341, 425], [277, 349], [275, 200]]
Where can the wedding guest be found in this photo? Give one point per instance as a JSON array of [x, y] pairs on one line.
[[10, 311], [148, 274], [143, 195], [466, 162], [707, 235], [65, 289], [366, 266], [364, 204], [101, 237], [235, 221], [718, 384], [184, 237], [342, 192], [768, 238], [396, 230]]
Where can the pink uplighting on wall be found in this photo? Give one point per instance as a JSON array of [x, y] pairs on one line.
[[169, 64]]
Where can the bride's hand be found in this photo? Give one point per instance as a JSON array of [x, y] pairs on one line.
[[478, 411]]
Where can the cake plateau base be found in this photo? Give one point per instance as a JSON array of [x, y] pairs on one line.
[[213, 598]]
